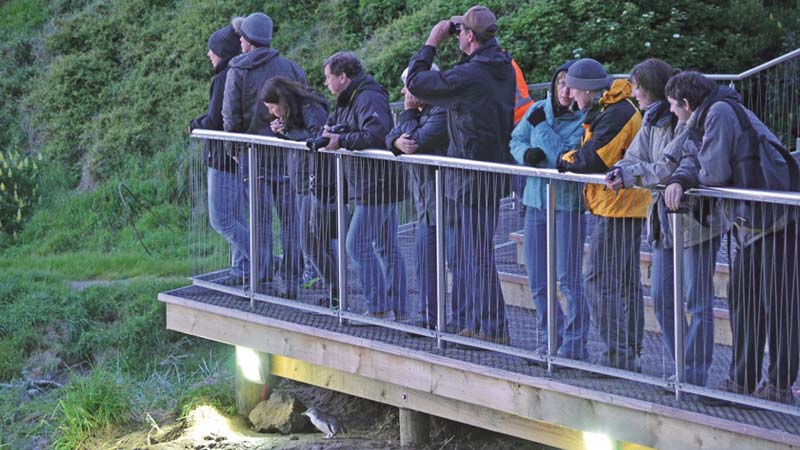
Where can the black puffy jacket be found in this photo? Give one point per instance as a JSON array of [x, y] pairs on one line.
[[479, 94], [214, 154], [363, 108]]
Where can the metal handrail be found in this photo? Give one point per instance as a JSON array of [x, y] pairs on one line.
[[787, 198], [714, 76]]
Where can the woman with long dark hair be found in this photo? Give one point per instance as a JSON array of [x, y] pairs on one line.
[[300, 113]]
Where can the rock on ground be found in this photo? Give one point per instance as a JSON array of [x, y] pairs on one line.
[[281, 413]]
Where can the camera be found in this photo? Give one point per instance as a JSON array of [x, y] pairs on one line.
[[317, 143]]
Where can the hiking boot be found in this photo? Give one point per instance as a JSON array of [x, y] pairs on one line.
[[772, 393], [386, 315], [728, 385]]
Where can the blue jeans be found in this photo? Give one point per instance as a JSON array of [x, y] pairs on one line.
[[478, 302], [228, 216], [317, 237], [570, 234], [699, 263], [275, 189], [374, 249]]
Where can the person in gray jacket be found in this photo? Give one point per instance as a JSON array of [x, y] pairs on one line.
[[764, 293], [243, 112], [650, 160], [422, 129]]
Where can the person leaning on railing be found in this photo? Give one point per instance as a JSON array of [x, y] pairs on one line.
[[300, 113], [225, 193], [764, 294], [244, 112], [650, 161], [478, 93], [422, 129], [374, 187], [549, 128], [612, 280]]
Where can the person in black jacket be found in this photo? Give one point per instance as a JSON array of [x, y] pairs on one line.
[[225, 195], [300, 113], [422, 129], [374, 186], [479, 94], [243, 112]]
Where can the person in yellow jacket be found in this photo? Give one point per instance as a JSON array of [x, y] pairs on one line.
[[611, 279]]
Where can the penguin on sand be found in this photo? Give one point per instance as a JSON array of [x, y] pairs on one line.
[[326, 423]]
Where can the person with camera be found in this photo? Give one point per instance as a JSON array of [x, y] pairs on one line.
[[244, 112], [479, 94], [551, 127], [422, 129], [300, 113], [360, 120]]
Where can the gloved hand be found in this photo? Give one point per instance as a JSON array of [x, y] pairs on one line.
[[561, 165], [533, 156], [537, 116]]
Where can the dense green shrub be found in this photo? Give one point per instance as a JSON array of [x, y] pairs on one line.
[[20, 177]]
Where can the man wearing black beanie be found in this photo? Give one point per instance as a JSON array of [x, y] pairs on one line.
[[225, 194]]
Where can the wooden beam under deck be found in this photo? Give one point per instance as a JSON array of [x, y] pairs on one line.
[[529, 407]]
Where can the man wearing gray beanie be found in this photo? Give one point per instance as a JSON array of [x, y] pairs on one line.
[[242, 112], [612, 279]]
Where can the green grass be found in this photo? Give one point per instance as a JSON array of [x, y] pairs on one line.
[[21, 16], [98, 266]]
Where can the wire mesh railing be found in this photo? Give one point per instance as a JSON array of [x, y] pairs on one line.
[[597, 294]]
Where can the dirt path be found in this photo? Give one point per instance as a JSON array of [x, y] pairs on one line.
[[372, 426]]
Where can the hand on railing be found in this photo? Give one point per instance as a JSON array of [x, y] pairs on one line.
[[614, 179], [672, 196]]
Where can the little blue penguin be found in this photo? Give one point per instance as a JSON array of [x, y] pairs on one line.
[[325, 423]]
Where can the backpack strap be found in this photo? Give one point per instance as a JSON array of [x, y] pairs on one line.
[[746, 124]]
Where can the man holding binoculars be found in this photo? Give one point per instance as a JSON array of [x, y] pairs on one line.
[[479, 94]]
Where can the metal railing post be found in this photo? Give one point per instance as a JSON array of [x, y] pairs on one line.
[[552, 297], [341, 231], [252, 211], [679, 318], [441, 269]]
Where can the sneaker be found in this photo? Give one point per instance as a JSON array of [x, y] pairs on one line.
[[233, 281], [770, 392], [386, 315]]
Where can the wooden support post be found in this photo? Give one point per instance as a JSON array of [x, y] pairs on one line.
[[415, 428], [250, 392]]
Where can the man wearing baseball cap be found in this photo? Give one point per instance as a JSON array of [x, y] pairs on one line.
[[479, 94]]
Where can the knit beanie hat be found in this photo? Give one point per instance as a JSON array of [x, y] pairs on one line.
[[587, 74], [225, 43], [257, 29]]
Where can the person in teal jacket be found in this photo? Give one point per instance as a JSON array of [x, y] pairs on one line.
[[550, 128]]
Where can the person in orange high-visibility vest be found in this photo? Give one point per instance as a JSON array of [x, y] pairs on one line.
[[522, 99]]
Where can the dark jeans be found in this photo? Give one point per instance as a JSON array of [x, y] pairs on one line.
[[478, 303], [614, 289], [277, 190], [317, 237], [764, 302]]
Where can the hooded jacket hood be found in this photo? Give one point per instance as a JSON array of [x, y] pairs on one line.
[[494, 58], [254, 58], [620, 90], [554, 104]]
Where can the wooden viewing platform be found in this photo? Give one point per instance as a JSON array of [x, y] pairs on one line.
[[495, 391]]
